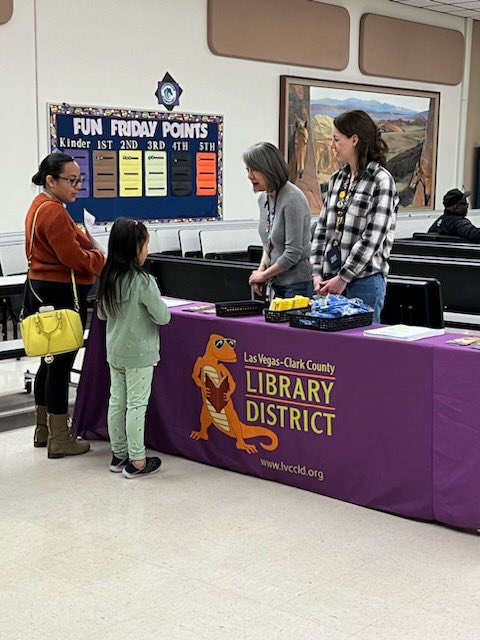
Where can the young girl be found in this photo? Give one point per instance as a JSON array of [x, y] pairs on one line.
[[130, 302]]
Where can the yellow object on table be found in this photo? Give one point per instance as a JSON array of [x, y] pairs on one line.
[[274, 304], [300, 302], [286, 304]]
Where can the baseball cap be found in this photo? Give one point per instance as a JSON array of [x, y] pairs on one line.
[[454, 196]]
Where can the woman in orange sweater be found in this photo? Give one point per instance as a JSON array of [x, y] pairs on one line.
[[58, 247]]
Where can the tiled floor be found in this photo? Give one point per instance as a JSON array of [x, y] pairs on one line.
[[199, 553]]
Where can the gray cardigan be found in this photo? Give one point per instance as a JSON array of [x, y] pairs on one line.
[[290, 234]]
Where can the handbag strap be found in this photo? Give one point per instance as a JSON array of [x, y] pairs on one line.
[[29, 257], [76, 304]]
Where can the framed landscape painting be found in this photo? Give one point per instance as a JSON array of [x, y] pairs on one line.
[[408, 121]]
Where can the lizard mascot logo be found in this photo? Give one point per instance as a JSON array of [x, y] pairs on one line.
[[217, 386]]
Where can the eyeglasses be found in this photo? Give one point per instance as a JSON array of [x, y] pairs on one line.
[[74, 181], [230, 341]]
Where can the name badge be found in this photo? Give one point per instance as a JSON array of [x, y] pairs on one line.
[[334, 258]]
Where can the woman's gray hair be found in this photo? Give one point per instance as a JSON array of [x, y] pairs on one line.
[[265, 158]]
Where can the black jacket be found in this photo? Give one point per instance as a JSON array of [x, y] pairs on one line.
[[450, 224]]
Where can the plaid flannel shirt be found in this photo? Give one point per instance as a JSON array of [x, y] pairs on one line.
[[368, 229]]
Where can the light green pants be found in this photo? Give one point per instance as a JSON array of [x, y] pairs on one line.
[[129, 393]]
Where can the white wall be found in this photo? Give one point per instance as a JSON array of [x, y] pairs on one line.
[[18, 115], [114, 52]]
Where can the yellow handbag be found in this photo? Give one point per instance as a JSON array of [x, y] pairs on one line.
[[50, 331]]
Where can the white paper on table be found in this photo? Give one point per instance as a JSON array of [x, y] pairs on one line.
[[403, 332], [175, 302], [89, 224]]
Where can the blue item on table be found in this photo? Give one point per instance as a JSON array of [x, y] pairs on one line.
[[336, 306]]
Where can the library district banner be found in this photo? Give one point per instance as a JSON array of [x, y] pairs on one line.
[[147, 165], [338, 414]]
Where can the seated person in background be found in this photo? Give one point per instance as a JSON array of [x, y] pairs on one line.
[[453, 221]]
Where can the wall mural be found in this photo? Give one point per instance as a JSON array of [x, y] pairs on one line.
[[408, 121]]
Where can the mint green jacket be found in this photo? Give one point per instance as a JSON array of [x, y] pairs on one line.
[[133, 339]]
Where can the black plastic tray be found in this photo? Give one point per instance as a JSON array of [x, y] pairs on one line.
[[281, 316], [239, 308], [301, 320]]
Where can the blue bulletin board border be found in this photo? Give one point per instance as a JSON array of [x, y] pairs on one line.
[[189, 145]]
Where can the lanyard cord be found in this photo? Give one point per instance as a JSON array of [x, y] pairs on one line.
[[270, 214], [270, 219], [341, 205]]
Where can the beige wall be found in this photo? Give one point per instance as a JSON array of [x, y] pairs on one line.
[[99, 68], [472, 138]]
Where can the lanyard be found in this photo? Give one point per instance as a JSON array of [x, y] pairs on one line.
[[268, 290], [341, 205], [270, 220]]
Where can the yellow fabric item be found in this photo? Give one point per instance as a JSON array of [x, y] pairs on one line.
[[52, 332]]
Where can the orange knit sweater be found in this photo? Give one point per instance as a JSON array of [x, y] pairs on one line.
[[59, 245]]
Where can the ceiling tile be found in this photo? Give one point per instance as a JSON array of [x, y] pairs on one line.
[[459, 8]]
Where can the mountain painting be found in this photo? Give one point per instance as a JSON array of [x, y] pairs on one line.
[[408, 122]]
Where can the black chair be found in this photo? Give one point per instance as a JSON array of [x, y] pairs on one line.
[[92, 294], [437, 237], [232, 256], [413, 301], [460, 278], [200, 279], [255, 253], [10, 308], [442, 249]]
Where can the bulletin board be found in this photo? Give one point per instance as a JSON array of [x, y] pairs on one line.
[[147, 165]]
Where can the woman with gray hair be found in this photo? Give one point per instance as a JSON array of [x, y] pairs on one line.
[[284, 225]]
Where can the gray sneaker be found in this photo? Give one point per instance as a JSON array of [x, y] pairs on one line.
[[152, 465]]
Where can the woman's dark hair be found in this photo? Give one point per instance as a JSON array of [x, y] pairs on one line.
[[52, 165], [371, 145], [265, 158], [126, 238]]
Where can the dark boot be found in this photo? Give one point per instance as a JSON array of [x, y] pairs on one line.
[[60, 441], [41, 431]]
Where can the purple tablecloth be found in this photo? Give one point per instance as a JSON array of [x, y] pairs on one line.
[[456, 436], [379, 423]]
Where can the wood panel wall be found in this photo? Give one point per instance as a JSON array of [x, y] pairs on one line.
[[300, 32], [393, 48], [6, 10]]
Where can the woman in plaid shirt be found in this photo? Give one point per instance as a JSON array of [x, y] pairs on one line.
[[355, 230]]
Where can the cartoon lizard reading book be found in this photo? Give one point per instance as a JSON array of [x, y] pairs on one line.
[[217, 386]]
